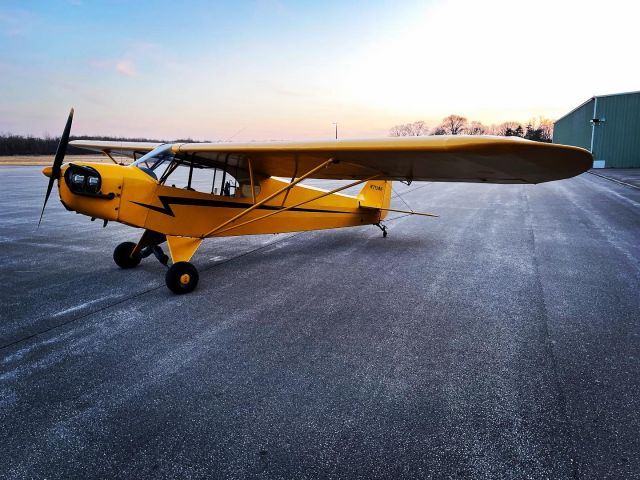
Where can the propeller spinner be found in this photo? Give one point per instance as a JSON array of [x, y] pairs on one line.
[[57, 161]]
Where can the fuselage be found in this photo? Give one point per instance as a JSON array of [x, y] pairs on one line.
[[131, 196]]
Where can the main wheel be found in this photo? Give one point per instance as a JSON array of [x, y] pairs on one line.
[[122, 255], [182, 277]]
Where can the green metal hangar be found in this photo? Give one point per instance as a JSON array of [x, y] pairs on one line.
[[608, 126]]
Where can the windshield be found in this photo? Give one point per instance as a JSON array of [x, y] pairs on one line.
[[156, 161]]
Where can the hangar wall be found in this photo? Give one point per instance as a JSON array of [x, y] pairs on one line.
[[614, 138]]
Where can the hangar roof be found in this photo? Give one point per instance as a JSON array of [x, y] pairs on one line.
[[596, 96]]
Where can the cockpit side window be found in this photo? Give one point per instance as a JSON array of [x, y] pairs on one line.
[[188, 173], [192, 176]]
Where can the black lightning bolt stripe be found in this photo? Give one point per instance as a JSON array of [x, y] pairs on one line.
[[202, 202]]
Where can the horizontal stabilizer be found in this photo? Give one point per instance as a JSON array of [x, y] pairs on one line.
[[409, 212]]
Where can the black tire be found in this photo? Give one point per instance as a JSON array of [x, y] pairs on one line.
[[182, 277], [122, 255]]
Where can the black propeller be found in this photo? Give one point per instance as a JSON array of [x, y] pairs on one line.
[[57, 161]]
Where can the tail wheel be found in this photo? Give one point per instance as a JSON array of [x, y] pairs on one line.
[[182, 277], [122, 255]]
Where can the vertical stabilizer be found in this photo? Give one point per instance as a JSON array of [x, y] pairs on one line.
[[376, 194]]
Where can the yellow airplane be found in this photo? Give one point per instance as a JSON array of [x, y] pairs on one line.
[[255, 188]]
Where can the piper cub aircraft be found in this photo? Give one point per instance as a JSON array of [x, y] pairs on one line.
[[256, 188]]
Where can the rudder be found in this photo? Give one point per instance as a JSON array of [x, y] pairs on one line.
[[376, 194]]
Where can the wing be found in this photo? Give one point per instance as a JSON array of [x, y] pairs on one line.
[[455, 158], [435, 158], [127, 149]]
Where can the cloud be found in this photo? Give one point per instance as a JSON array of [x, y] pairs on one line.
[[122, 66], [128, 63], [126, 67]]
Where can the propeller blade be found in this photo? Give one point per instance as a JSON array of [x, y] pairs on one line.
[[57, 161]]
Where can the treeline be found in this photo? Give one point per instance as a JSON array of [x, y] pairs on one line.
[[540, 129], [27, 145]]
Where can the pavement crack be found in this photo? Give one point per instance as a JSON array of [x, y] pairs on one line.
[[562, 399]]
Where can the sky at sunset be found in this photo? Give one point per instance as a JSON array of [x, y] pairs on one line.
[[278, 70]]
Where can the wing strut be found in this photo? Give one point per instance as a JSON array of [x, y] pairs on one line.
[[273, 195]]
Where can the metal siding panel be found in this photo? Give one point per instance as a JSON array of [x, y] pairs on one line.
[[575, 129], [618, 140]]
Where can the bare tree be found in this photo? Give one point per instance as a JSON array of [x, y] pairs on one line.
[[540, 129], [396, 131], [493, 129], [476, 128], [414, 129], [507, 128], [418, 129], [454, 124], [546, 129]]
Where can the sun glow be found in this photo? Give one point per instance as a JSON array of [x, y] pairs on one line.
[[497, 60]]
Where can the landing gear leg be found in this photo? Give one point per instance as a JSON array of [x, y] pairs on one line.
[[182, 276], [129, 254], [156, 250], [150, 243], [383, 228]]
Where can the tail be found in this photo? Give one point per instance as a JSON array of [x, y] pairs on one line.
[[376, 194]]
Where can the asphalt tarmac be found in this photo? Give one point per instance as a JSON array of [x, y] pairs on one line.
[[501, 340]]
